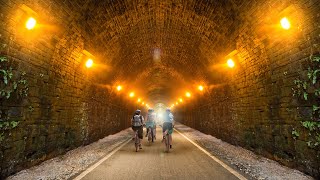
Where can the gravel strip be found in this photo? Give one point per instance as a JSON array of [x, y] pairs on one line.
[[74, 161], [250, 164]]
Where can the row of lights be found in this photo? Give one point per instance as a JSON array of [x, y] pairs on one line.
[[187, 95], [285, 24], [31, 23], [132, 95]]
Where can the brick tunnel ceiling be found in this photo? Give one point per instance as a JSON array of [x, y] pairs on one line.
[[160, 46]]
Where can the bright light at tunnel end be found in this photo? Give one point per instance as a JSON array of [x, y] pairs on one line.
[[285, 23], [230, 63], [89, 63], [31, 23]]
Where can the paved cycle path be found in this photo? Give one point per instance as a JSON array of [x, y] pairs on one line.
[[185, 161]]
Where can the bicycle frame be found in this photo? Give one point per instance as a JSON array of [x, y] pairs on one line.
[[150, 134], [136, 140], [167, 141]]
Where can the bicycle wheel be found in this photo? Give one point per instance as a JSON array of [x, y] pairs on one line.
[[149, 134], [136, 141], [152, 134], [167, 142]]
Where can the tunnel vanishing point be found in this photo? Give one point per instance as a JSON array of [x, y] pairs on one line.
[[160, 53]]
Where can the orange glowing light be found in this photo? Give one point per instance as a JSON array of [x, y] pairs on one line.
[[200, 88], [230, 63], [31, 23], [89, 63], [177, 103], [181, 100], [131, 94], [188, 94], [142, 103], [285, 23], [139, 100], [119, 88]]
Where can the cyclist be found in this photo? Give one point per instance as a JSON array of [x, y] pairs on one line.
[[137, 122], [168, 124], [151, 122]]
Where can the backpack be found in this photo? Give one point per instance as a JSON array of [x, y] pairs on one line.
[[151, 117], [137, 120]]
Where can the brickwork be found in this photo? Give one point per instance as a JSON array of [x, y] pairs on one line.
[[162, 47], [64, 108], [253, 107], [132, 32]]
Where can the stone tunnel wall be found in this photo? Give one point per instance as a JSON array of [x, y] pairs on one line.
[[64, 107], [253, 106]]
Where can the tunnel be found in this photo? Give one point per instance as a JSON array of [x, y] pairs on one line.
[[244, 71]]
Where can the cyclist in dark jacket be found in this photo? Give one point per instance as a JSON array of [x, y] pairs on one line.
[[137, 122]]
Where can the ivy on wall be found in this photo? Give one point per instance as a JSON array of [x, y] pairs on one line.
[[307, 90], [13, 86]]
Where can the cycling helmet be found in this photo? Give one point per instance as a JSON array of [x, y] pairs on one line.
[[138, 111], [150, 110], [168, 109]]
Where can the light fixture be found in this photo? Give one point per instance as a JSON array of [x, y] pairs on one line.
[[119, 88], [188, 94], [177, 103], [31, 23], [180, 100], [139, 100], [131, 94], [89, 63], [142, 103], [230, 63], [285, 23], [200, 88]]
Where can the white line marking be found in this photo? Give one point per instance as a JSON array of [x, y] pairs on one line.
[[84, 173], [214, 158]]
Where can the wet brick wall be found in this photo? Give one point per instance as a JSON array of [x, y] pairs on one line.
[[253, 105], [65, 107]]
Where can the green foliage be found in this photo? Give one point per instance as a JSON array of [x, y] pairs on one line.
[[1, 136], [5, 124], [311, 125], [11, 82], [295, 134], [307, 90], [31, 109], [13, 86]]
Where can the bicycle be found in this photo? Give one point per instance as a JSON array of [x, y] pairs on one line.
[[150, 134], [167, 140], [136, 140]]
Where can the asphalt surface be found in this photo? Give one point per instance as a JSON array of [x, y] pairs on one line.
[[184, 161]]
